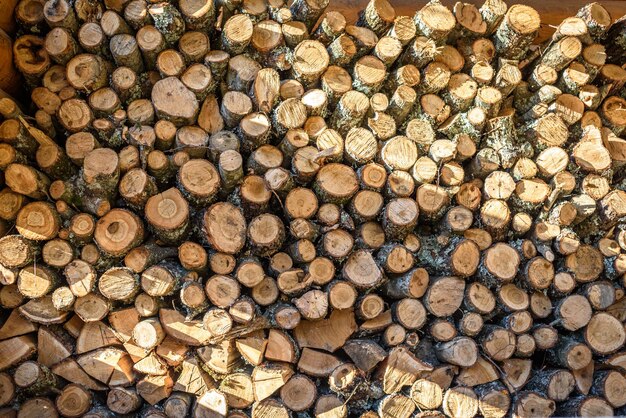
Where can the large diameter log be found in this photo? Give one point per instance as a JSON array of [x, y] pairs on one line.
[[225, 228], [461, 351], [174, 102], [517, 31], [16, 350], [168, 214], [118, 232]]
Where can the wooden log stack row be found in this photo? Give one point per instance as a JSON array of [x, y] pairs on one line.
[[255, 208]]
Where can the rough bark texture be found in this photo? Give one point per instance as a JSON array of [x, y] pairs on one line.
[[260, 208]]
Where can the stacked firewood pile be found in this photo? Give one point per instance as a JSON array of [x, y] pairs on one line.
[[256, 208]]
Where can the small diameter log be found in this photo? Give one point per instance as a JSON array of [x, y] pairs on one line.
[[38, 407], [331, 26], [174, 102], [168, 20], [16, 251], [236, 34], [497, 270], [460, 92], [101, 171], [198, 15], [60, 45], [308, 11], [74, 401], [444, 295], [35, 378], [435, 77], [570, 354], [136, 187], [350, 111], [412, 284], [498, 343], [586, 405], [147, 255], [119, 284], [596, 18], [400, 216], [559, 55], [403, 29], [35, 283], [123, 401], [461, 351], [378, 16], [299, 393], [148, 333], [126, 52], [531, 400], [516, 31], [38, 221], [435, 21], [611, 337], [26, 180], [168, 215], [310, 61], [426, 394], [460, 401], [118, 232]]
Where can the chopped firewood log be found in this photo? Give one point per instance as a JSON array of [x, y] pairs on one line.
[[401, 368], [257, 207], [317, 363]]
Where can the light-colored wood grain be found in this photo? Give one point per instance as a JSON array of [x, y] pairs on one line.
[[552, 12]]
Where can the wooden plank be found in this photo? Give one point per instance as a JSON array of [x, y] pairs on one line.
[[552, 12]]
